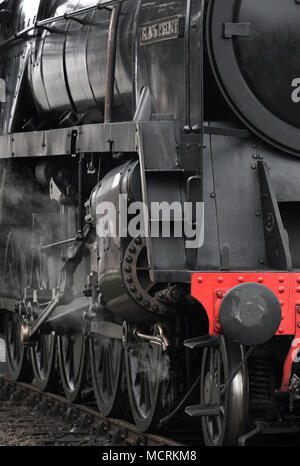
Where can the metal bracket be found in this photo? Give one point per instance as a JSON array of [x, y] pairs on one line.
[[74, 136], [276, 237], [237, 30]]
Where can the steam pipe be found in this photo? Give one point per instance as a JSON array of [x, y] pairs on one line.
[[80, 195], [111, 62], [160, 340], [188, 128]]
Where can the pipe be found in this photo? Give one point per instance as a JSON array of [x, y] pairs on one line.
[[80, 196], [111, 62], [187, 65]]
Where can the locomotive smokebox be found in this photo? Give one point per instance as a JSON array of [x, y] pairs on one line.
[[250, 314]]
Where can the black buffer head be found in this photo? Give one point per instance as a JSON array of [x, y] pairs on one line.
[[250, 314]]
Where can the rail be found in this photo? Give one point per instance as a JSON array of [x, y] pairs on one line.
[[84, 418], [20, 35]]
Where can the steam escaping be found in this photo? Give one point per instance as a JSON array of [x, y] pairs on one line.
[[28, 220], [154, 369]]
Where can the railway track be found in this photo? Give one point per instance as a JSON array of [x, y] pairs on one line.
[[52, 420], [30, 417]]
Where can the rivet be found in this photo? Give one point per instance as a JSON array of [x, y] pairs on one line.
[[298, 325], [298, 302], [298, 279], [281, 330], [138, 241], [133, 289], [155, 307], [281, 279], [260, 279], [132, 249], [219, 294], [241, 279], [138, 297], [146, 304], [298, 289], [129, 279], [200, 280], [281, 289], [220, 279], [129, 259], [128, 269]]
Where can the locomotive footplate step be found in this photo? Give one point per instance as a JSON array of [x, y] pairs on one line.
[[203, 410], [207, 341], [263, 428]]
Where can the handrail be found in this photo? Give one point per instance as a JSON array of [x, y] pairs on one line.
[[45, 22]]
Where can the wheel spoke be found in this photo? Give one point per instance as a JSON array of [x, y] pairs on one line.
[[227, 427], [72, 362], [146, 372], [43, 362], [106, 365]]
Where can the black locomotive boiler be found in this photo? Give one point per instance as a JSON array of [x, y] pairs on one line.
[[181, 101]]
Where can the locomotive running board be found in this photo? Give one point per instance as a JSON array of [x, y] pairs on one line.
[[106, 329]]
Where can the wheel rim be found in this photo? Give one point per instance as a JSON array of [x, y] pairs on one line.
[[148, 374], [16, 354], [43, 362], [72, 364], [218, 363], [106, 355]]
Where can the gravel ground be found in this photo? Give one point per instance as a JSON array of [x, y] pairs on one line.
[[23, 426], [20, 426]]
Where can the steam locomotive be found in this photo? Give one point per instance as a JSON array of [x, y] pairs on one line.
[[184, 101]]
